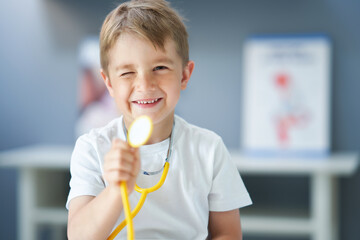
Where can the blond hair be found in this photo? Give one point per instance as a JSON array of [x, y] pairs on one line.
[[153, 20]]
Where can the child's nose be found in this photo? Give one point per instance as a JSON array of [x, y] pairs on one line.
[[145, 82]]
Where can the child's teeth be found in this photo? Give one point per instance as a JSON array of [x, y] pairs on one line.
[[146, 102]]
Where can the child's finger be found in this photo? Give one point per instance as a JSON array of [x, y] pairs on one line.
[[117, 176], [117, 143], [120, 155], [122, 166]]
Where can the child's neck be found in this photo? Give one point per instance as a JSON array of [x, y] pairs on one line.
[[161, 131]]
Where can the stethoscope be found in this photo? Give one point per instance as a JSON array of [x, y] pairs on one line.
[[138, 134]]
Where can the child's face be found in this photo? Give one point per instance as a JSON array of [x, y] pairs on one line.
[[145, 80]]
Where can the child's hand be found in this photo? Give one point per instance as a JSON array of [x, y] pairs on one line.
[[121, 163]]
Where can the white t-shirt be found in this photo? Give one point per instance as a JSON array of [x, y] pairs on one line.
[[201, 178]]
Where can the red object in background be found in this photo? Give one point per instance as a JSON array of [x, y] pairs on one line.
[[282, 81], [290, 117]]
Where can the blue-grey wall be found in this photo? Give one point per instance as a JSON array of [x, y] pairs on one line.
[[38, 73]]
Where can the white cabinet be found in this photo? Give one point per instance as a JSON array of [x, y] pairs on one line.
[[44, 177], [320, 222], [42, 189]]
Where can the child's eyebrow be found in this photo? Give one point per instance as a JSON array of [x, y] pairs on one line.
[[123, 66], [164, 60]]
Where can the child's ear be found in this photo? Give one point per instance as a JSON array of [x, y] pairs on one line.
[[107, 82], [187, 71]]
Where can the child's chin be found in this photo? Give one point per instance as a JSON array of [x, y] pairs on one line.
[[151, 112]]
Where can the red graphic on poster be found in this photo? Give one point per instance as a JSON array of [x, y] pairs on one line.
[[292, 115]]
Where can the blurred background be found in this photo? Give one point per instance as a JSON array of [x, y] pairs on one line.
[[39, 82]]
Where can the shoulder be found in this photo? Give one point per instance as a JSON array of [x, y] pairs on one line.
[[100, 139], [195, 134], [109, 131]]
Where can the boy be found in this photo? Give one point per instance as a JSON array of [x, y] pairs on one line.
[[145, 65]]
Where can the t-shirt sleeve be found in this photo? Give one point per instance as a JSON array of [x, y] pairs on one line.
[[228, 191], [85, 169]]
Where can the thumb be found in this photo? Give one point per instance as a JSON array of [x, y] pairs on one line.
[[137, 162], [115, 142]]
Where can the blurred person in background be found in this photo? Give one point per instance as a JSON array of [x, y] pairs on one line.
[[96, 107]]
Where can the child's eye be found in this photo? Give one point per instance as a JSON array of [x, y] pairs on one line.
[[126, 74], [160, 68]]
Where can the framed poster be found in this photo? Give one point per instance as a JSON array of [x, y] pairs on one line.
[[286, 95]]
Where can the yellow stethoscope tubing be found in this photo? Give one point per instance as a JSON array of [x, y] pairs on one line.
[[124, 193], [127, 210], [123, 187], [144, 192]]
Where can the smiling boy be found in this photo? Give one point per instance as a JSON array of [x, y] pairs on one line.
[[145, 65], [146, 80]]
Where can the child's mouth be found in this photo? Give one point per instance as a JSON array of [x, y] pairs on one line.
[[147, 102]]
